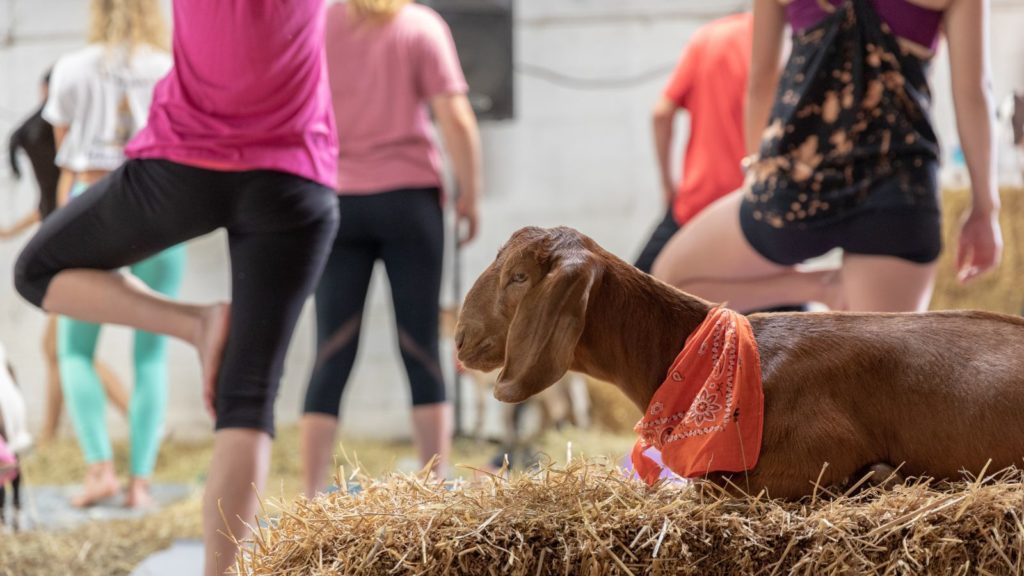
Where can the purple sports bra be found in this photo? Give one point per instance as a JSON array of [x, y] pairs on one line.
[[909, 21]]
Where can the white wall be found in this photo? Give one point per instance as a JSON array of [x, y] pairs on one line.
[[572, 157]]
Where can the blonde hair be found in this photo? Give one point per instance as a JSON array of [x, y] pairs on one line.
[[130, 23], [377, 8]]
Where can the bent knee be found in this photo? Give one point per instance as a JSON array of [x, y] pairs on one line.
[[254, 411], [28, 280]]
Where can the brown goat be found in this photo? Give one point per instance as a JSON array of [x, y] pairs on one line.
[[561, 403], [934, 393]]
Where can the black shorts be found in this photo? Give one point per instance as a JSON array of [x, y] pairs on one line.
[[890, 222], [280, 227], [910, 234]]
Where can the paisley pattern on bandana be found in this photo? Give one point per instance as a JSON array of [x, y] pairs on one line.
[[694, 417]]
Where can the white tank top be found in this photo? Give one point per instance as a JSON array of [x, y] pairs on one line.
[[12, 410], [102, 96]]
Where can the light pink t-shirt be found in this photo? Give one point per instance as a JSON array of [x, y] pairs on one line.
[[382, 77], [248, 90]]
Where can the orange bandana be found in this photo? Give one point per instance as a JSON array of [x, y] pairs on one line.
[[694, 418]]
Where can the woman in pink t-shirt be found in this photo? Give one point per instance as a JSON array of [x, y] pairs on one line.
[[389, 61], [240, 136]]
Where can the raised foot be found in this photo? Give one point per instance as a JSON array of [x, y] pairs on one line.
[[211, 338]]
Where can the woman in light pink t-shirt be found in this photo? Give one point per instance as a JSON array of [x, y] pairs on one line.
[[389, 61]]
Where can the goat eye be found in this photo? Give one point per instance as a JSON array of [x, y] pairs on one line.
[[519, 277]]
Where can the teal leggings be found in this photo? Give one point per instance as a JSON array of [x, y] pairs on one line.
[[84, 394]]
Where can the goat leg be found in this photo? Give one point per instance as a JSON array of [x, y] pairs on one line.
[[884, 475]]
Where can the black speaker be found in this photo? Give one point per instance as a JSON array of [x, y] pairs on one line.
[[483, 37]]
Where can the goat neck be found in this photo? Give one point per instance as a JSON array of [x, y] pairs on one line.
[[635, 327]]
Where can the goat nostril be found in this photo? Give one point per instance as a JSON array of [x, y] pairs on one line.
[[460, 338]]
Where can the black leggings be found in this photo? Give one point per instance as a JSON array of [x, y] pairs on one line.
[[662, 233], [405, 229], [280, 228]]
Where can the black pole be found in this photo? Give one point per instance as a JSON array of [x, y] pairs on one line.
[[457, 302]]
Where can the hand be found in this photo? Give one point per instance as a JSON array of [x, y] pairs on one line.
[[466, 211], [981, 244]]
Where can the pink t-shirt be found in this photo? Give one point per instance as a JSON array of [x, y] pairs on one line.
[[382, 77], [248, 90]]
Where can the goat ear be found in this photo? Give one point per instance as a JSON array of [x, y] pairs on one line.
[[544, 332]]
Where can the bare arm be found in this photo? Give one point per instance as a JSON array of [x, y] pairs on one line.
[[59, 133], [64, 185], [966, 26], [12, 149], [769, 25], [67, 178], [662, 119], [458, 126], [26, 222]]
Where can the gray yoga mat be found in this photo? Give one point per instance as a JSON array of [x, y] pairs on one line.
[[49, 507]]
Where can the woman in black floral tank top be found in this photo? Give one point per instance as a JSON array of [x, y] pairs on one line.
[[844, 156]]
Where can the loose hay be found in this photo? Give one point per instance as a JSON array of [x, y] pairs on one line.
[[116, 548], [112, 548], [587, 519]]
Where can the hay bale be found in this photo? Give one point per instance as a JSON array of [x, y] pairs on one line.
[[587, 519], [997, 291]]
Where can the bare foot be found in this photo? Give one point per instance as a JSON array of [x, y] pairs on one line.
[[100, 484], [211, 338], [138, 495]]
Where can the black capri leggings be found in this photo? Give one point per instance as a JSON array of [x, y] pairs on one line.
[[405, 229], [280, 228]]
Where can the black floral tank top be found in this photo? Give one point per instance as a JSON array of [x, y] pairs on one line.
[[849, 128]]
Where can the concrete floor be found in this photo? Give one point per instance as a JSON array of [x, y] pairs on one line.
[[183, 558]]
